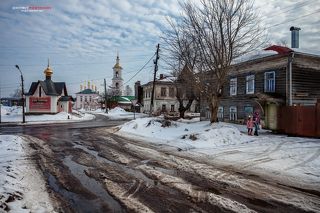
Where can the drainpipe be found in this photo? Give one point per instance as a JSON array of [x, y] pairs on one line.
[[290, 78]]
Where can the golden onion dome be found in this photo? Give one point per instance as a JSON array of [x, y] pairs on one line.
[[48, 71], [117, 65]]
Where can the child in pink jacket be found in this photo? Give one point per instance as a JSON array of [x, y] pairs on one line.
[[250, 125]]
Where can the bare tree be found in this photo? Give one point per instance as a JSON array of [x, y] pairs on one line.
[[186, 90], [181, 58], [16, 93], [220, 31]]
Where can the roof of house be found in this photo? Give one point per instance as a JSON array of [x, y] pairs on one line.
[[164, 80], [66, 98], [274, 50], [87, 91], [49, 87]]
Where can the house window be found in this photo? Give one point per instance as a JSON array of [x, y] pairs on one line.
[[164, 108], [233, 113], [172, 108], [269, 81], [250, 84], [117, 85], [39, 91], [171, 92], [80, 98], [117, 74], [220, 113], [233, 86], [85, 99], [248, 110], [163, 91], [90, 99]]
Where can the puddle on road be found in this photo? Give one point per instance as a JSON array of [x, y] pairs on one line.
[[133, 172], [92, 185], [77, 203]]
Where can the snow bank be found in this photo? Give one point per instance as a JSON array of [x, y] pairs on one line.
[[22, 188], [118, 113], [292, 160], [14, 114], [192, 135]]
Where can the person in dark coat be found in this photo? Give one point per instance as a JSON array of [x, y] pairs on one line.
[[256, 121]]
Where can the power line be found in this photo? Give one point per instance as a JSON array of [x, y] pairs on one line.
[[285, 22], [295, 7], [139, 70]]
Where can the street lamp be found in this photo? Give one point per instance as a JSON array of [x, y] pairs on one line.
[[22, 95]]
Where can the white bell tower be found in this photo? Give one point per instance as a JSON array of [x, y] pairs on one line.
[[117, 81]]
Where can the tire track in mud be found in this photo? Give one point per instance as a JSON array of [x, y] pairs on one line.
[[143, 177], [272, 197]]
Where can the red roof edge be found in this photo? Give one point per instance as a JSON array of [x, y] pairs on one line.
[[279, 49]]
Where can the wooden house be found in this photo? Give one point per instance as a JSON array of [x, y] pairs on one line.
[[279, 76]]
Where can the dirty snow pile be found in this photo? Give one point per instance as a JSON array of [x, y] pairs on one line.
[[118, 113], [14, 114], [289, 159], [22, 188], [186, 135]]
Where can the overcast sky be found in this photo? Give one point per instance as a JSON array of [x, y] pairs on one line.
[[82, 38]]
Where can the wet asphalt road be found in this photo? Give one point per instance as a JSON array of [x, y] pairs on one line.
[[90, 169]]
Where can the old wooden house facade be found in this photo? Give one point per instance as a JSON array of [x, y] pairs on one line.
[[279, 77]]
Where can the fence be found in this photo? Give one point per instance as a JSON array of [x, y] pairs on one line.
[[300, 120]]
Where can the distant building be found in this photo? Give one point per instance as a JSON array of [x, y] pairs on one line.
[[165, 100], [11, 101], [128, 91], [88, 98], [48, 96], [117, 81]]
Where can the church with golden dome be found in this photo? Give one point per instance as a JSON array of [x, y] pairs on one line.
[[117, 80], [48, 97]]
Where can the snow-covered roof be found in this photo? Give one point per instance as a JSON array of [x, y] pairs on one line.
[[274, 50], [168, 79], [307, 51], [254, 55]]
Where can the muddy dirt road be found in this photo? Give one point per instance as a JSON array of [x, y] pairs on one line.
[[90, 169]]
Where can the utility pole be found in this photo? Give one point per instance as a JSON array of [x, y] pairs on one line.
[[105, 96], [154, 77]]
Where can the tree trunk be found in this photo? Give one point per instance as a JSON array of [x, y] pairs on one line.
[[183, 109], [181, 113], [214, 104]]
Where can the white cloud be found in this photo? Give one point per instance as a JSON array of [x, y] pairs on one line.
[[77, 32]]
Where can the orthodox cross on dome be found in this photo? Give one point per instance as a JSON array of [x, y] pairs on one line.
[[48, 71]]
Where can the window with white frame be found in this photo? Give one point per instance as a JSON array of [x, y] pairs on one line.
[[269, 81], [250, 84], [233, 86], [220, 113], [233, 113]]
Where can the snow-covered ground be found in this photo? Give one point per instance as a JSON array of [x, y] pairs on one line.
[[119, 113], [22, 188], [291, 159], [14, 114]]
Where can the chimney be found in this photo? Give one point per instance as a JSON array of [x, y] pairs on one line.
[[294, 37], [161, 76], [136, 89]]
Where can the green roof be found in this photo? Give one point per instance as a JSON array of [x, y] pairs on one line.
[[122, 98], [87, 91]]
